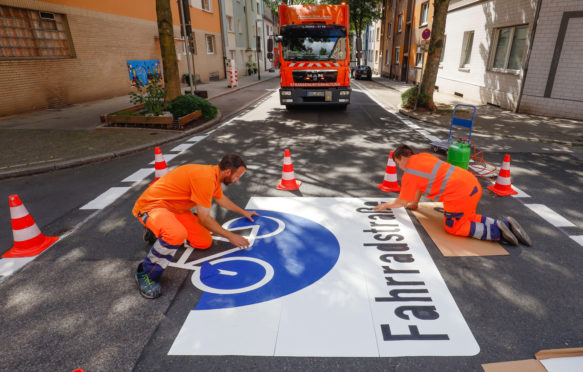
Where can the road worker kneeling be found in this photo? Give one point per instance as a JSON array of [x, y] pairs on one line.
[[165, 210], [460, 192]]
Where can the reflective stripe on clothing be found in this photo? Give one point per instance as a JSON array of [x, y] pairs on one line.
[[437, 179], [158, 258]]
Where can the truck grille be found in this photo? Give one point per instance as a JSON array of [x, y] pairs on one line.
[[315, 76]]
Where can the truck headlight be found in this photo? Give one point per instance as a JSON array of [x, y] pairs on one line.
[[343, 100], [344, 92], [286, 93], [287, 100]]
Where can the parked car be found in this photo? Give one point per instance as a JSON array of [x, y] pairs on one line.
[[363, 72]]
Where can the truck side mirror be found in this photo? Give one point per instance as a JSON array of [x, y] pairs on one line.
[[270, 45], [358, 44], [278, 39]]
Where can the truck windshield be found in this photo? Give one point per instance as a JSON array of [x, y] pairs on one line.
[[313, 43]]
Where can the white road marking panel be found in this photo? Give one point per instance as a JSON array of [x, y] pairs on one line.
[[550, 216], [106, 198], [383, 297]]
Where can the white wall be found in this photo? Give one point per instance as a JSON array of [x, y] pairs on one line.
[[478, 83]]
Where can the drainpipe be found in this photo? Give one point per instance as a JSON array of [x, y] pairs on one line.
[[530, 44], [394, 2], [223, 32]]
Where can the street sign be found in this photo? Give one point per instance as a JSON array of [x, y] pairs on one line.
[[426, 34]]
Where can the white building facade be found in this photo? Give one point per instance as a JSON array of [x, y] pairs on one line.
[[485, 50]]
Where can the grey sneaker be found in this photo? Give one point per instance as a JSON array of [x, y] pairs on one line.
[[506, 233], [148, 288], [519, 232], [149, 236]]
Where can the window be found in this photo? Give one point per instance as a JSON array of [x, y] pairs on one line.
[[378, 34], [399, 23], [376, 56], [510, 45], [397, 54], [210, 44], [387, 60], [229, 23], [424, 14], [206, 5], [442, 51], [258, 9], [419, 57], [29, 34], [239, 29], [390, 31], [467, 49]]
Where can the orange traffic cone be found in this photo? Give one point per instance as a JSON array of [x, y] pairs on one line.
[[159, 164], [390, 183], [503, 185], [28, 239], [288, 179]]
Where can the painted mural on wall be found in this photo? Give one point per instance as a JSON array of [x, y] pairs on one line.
[[144, 72]]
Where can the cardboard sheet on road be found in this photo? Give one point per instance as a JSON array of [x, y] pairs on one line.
[[430, 215], [552, 360]]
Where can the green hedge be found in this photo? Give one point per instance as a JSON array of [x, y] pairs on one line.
[[412, 98], [186, 104]]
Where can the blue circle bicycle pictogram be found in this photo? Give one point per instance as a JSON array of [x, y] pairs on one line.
[[287, 253]]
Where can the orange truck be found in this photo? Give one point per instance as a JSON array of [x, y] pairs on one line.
[[313, 50]]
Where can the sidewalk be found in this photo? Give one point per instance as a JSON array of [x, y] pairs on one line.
[[51, 139], [493, 121]]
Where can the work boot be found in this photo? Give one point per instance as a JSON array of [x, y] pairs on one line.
[[147, 287], [519, 232], [507, 235], [149, 236]]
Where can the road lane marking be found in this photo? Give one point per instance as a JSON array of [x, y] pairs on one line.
[[106, 198], [550, 216], [139, 175], [196, 139]]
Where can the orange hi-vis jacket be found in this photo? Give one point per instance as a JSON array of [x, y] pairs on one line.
[[438, 180], [182, 189]]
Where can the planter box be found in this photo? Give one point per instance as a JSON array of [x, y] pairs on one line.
[[165, 122]]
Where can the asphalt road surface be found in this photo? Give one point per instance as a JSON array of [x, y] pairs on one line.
[[76, 305]]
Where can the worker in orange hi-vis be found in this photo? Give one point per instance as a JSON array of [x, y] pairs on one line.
[[460, 192], [165, 210]]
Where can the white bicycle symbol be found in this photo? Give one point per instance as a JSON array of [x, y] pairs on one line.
[[195, 266]]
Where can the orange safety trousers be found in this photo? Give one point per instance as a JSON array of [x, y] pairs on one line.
[[174, 228], [460, 213]]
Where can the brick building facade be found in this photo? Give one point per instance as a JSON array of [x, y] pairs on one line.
[[59, 52]]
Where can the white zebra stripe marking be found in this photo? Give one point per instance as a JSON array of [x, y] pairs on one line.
[[106, 198], [578, 239], [550, 216], [139, 175]]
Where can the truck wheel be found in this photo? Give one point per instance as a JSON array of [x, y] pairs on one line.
[[343, 107], [289, 107]]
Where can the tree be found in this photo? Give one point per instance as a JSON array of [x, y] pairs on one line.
[[168, 50], [435, 49], [362, 13]]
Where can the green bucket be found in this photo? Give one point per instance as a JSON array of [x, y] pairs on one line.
[[459, 154]]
